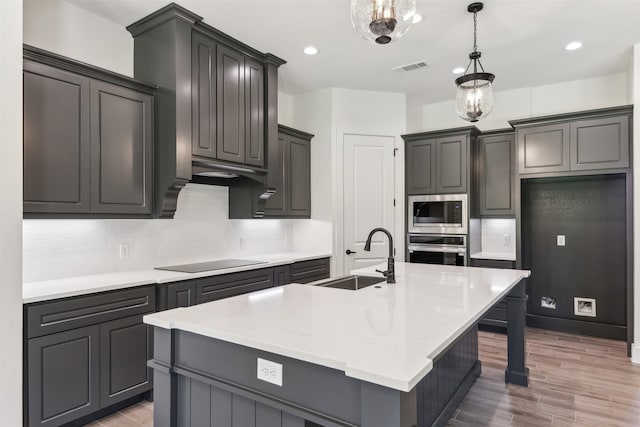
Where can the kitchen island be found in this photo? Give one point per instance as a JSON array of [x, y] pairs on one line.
[[384, 356]]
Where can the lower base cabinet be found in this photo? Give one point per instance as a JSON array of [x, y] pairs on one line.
[[497, 316]]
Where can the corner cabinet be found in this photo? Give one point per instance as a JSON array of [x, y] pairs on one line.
[[88, 140], [578, 142], [290, 174], [496, 174], [437, 162]]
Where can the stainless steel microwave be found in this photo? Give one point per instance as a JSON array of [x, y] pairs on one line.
[[438, 214]]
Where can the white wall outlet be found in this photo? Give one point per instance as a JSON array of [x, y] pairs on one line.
[[560, 240], [270, 372], [124, 250]]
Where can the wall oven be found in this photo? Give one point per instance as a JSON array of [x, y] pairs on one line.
[[438, 214], [443, 249]]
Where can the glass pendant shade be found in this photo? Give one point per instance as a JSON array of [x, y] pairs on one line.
[[475, 96], [382, 21]]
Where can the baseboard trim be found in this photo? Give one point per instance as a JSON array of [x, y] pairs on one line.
[[581, 327], [635, 354]]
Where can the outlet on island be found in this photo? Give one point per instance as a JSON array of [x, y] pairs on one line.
[[270, 372]]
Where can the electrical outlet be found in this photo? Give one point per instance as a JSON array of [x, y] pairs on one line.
[[560, 240], [124, 250], [270, 372], [506, 239]]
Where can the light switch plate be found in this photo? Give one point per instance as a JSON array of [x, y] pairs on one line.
[[560, 240], [270, 372]]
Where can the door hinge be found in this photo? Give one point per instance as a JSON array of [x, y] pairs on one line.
[[394, 151], [394, 202]]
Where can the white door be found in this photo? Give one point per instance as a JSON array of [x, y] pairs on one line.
[[368, 197]]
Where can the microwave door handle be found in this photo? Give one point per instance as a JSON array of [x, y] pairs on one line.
[[448, 250]]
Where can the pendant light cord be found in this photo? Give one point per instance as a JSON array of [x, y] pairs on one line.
[[475, 31]]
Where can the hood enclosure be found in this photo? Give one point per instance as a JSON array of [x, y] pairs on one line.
[[216, 108]]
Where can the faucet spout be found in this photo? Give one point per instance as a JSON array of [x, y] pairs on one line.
[[390, 273]]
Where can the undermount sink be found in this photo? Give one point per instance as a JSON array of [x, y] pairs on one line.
[[351, 282]]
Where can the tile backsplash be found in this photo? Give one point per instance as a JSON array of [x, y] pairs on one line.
[[200, 231], [498, 235]]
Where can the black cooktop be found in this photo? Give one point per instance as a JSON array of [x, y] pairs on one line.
[[210, 265]]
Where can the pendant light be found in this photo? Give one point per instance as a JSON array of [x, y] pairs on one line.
[[382, 21], [475, 93]]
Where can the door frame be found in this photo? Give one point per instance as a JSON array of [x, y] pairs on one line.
[[338, 194]]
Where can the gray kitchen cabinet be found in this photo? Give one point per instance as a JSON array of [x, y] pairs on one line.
[[181, 294], [585, 141], [281, 275], [310, 271], [56, 140], [230, 105], [228, 285], [543, 148], [62, 371], [203, 96], [125, 346], [496, 317], [601, 143], [254, 112], [496, 176], [86, 354], [437, 162], [121, 150], [290, 174], [88, 140]]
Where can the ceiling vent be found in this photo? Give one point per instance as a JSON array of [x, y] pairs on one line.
[[410, 67]]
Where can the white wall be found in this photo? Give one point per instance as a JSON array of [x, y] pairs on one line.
[[597, 92], [68, 30], [285, 109], [635, 91], [200, 231], [11, 213]]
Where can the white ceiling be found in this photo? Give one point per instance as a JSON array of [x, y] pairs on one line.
[[522, 41]]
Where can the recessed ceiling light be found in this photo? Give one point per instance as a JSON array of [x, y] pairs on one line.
[[310, 50], [573, 46], [458, 70], [417, 18]]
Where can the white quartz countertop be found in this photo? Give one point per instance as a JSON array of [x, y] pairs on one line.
[[81, 285], [499, 256], [384, 334]]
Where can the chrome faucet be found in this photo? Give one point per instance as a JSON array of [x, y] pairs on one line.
[[390, 274]]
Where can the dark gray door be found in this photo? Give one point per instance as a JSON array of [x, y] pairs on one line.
[[277, 204], [121, 150], [63, 375], [421, 167], [298, 176], [451, 165], [125, 348], [56, 140], [497, 175], [203, 96], [543, 148], [181, 294], [600, 143], [230, 105], [254, 112]]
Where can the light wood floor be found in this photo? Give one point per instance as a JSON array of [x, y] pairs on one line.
[[574, 381]]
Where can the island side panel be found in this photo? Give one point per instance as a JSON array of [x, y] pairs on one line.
[[516, 372], [165, 384]]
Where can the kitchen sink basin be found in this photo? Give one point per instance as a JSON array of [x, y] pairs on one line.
[[351, 282]]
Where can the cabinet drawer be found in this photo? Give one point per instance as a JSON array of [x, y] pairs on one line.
[[62, 315], [309, 271], [492, 263], [228, 285]]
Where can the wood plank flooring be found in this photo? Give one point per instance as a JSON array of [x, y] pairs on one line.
[[575, 381]]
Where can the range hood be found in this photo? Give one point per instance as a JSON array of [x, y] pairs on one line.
[[162, 55]]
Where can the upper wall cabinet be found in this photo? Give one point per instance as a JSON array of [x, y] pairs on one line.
[[88, 140], [217, 132], [495, 174], [592, 140], [437, 162]]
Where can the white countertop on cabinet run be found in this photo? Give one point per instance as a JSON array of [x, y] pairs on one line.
[[384, 334], [82, 285]]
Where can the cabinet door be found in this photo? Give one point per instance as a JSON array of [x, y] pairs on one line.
[[277, 204], [228, 285], [310, 271], [497, 175], [543, 148], [125, 348], [230, 105], [451, 165], [281, 275], [63, 375], [121, 150], [182, 294], [56, 140], [203, 96], [600, 143], [298, 176], [254, 113], [421, 167]]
